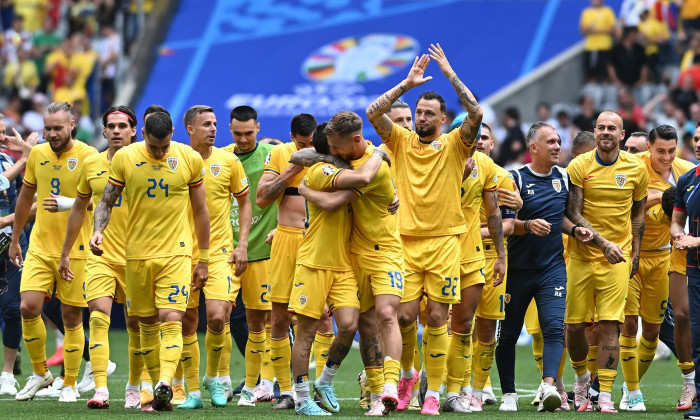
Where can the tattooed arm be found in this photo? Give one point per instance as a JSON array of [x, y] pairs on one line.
[[470, 125], [376, 112], [637, 215], [102, 214], [495, 227], [309, 157], [271, 186], [574, 211]]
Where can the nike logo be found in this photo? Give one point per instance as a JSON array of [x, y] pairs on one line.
[[95, 346], [437, 354], [274, 359], [143, 353], [140, 164], [101, 173], [174, 346], [627, 359], [529, 185], [185, 359], [588, 177], [298, 284], [257, 351], [70, 351], [538, 358], [44, 163], [30, 340]]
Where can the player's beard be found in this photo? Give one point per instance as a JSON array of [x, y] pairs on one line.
[[61, 146], [425, 132]]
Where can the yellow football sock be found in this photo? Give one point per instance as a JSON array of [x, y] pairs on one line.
[[266, 370], [254, 351], [436, 352], [628, 360], [150, 349], [179, 371], [409, 339], [135, 358], [145, 375], [171, 350], [99, 346], [416, 361], [190, 359], [487, 384], [322, 342], [214, 344], [375, 379], [280, 356], [592, 360], [225, 362], [562, 364], [392, 371], [685, 366], [579, 366], [458, 356], [443, 381], [73, 346], [606, 377], [538, 349], [482, 360], [646, 350], [34, 336]]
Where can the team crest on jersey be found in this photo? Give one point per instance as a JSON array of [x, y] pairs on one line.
[[302, 300], [215, 169], [72, 163], [506, 298], [172, 163], [267, 158], [620, 180], [437, 145], [327, 170], [556, 183], [475, 172]]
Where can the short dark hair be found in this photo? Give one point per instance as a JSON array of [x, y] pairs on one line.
[[581, 140], [303, 125], [344, 123], [243, 113], [195, 110], [483, 124], [640, 134], [152, 109], [534, 129], [512, 113], [121, 109], [159, 125], [668, 199], [663, 132], [431, 95], [398, 104], [320, 141]]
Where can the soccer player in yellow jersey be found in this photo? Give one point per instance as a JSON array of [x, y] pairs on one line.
[[158, 178], [279, 186], [52, 170], [607, 195], [105, 275], [376, 257], [223, 176], [324, 272], [648, 289]]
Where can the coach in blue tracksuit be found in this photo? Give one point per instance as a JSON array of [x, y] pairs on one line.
[[536, 267], [687, 206]]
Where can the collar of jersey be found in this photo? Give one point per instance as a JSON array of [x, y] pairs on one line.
[[246, 153], [597, 159], [539, 174]]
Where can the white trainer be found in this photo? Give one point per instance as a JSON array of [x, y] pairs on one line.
[[8, 384], [550, 399], [68, 394], [33, 385], [509, 402]]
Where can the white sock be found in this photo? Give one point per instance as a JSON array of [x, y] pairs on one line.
[[103, 389], [130, 387], [689, 378], [477, 393], [286, 393], [249, 389], [197, 394], [327, 375], [452, 394], [431, 393], [180, 381], [442, 389], [593, 392], [302, 389], [560, 384], [226, 380], [635, 393], [266, 384], [586, 376], [466, 390], [147, 386], [211, 378], [408, 374], [604, 394], [390, 388]]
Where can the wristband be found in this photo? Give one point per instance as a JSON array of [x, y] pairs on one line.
[[203, 255], [527, 226], [573, 231]]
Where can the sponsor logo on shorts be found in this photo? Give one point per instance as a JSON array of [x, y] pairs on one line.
[[558, 291], [302, 300]]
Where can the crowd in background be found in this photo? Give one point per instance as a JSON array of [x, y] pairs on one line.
[[63, 50]]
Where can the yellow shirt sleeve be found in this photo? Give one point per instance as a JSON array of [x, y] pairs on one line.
[[197, 164], [575, 172], [29, 174], [272, 161], [398, 135], [491, 176], [323, 177], [239, 182], [84, 189], [116, 170], [641, 189]]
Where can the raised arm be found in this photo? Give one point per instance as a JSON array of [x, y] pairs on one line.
[[75, 223], [200, 214], [470, 125], [102, 215], [309, 157], [637, 215], [376, 112], [363, 175]]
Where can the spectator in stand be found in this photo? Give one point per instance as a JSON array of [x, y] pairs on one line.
[[694, 117], [663, 115], [597, 25], [544, 113], [690, 15], [33, 12], [16, 38], [70, 91], [82, 63], [692, 51], [632, 114], [585, 120], [82, 17], [686, 151], [630, 12], [33, 119], [85, 128], [513, 146], [43, 42], [21, 74], [57, 64], [565, 128], [685, 95], [13, 112], [655, 36], [628, 64], [109, 55], [681, 122]]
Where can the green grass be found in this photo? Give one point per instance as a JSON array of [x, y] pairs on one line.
[[661, 386]]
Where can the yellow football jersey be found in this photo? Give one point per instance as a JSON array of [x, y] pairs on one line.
[[158, 192], [278, 160], [92, 181], [608, 192], [326, 242], [504, 179], [483, 178], [393, 164], [223, 176], [657, 235], [59, 176], [429, 176], [375, 230]]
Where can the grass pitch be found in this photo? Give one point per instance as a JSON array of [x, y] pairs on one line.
[[661, 386]]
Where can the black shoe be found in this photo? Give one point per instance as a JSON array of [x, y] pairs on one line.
[[237, 390], [161, 397], [284, 402], [570, 396]]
